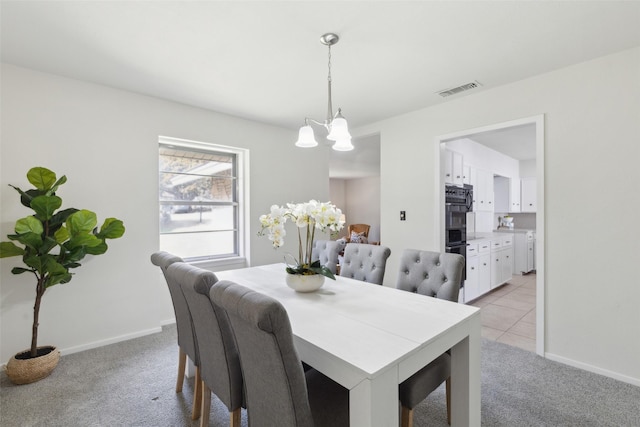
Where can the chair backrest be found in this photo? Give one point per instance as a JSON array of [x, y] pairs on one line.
[[327, 252], [358, 228], [184, 325], [275, 385], [219, 362], [433, 274], [365, 262]]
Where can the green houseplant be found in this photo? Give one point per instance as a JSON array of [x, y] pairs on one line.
[[51, 242]]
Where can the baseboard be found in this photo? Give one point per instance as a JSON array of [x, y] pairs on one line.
[[590, 368], [168, 322], [101, 343]]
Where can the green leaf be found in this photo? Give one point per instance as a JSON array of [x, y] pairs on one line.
[[76, 254], [82, 221], [54, 279], [61, 235], [60, 181], [33, 240], [47, 244], [45, 206], [98, 249], [83, 239], [58, 219], [112, 228], [54, 267], [41, 178], [29, 225], [20, 270], [9, 249], [34, 261]]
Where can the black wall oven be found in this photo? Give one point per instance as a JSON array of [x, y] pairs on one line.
[[458, 201]]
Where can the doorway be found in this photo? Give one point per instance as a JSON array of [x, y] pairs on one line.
[[483, 134]]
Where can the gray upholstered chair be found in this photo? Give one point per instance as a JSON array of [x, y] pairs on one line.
[[219, 362], [327, 251], [437, 275], [184, 325], [365, 262], [277, 390]]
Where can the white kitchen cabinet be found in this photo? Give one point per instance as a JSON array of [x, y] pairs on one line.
[[484, 273], [524, 252], [471, 289], [528, 190], [453, 168], [501, 194], [507, 258], [482, 182], [514, 195], [466, 174], [478, 267], [501, 260]]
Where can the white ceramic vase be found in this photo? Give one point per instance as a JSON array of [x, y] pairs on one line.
[[305, 282]]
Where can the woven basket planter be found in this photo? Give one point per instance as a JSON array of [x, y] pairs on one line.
[[24, 370]]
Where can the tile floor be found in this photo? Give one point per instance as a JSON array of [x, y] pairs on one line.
[[509, 312]]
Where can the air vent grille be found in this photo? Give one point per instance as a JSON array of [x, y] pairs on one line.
[[462, 88]]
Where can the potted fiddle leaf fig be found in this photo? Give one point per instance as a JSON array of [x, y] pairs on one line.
[[51, 242]]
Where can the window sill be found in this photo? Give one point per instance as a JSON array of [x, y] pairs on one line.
[[221, 264]]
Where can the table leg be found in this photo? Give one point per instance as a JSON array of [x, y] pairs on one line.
[[374, 403], [465, 380]]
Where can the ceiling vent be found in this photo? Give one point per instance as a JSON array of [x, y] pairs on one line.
[[453, 91]]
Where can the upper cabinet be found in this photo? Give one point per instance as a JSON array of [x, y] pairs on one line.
[[528, 190], [506, 194], [453, 168], [482, 182], [514, 195]]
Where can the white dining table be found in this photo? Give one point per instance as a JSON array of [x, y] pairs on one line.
[[370, 338]]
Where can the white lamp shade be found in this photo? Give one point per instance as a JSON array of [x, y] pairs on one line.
[[306, 139], [343, 145], [339, 130]]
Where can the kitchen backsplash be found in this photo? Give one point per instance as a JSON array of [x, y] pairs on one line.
[[520, 220]]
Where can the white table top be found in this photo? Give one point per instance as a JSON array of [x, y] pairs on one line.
[[352, 330]]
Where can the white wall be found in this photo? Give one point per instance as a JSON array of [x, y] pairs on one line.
[[592, 129], [106, 142], [337, 188], [359, 199], [363, 204], [528, 168], [482, 157]]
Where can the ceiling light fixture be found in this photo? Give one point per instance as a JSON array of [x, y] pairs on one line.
[[335, 125]]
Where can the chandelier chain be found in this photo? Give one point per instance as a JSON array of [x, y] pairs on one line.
[[329, 64]]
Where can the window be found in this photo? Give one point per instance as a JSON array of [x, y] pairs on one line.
[[199, 200]]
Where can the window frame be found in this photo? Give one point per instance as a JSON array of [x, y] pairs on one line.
[[239, 168]]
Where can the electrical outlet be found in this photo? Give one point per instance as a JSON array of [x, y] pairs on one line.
[[403, 215]]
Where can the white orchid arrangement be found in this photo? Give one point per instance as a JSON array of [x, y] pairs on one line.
[[308, 217]]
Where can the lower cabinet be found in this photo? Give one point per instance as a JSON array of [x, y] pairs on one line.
[[478, 270], [524, 252], [501, 261]]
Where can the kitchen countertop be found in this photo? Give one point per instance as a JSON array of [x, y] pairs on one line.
[[498, 234]]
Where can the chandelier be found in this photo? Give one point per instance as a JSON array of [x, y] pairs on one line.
[[336, 125]]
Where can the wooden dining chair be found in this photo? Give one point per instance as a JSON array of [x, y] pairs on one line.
[[219, 362], [365, 262], [278, 391], [184, 325], [358, 228], [438, 275]]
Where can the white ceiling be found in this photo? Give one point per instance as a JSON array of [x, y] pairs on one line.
[[518, 142], [262, 60]]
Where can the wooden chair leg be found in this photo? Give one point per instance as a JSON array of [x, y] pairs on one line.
[[407, 417], [206, 405], [448, 393], [235, 417], [182, 363], [197, 395]]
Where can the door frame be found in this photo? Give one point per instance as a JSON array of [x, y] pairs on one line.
[[538, 121]]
